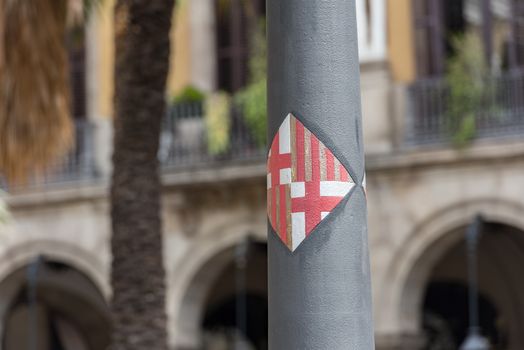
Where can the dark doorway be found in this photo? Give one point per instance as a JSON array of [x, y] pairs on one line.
[[446, 316], [444, 309], [221, 318], [55, 307], [236, 310]]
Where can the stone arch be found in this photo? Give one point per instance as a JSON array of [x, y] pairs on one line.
[[91, 285], [20, 254], [205, 258], [412, 263]]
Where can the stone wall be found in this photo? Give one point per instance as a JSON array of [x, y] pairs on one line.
[[416, 203]]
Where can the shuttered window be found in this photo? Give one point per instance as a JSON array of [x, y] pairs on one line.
[[234, 19], [429, 37], [516, 47], [500, 23], [77, 66]]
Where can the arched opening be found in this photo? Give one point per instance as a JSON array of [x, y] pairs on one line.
[[52, 306], [236, 304], [444, 309], [224, 301], [446, 318]]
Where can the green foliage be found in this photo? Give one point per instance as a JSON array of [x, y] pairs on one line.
[[218, 122], [258, 58], [189, 94], [4, 213], [253, 98], [466, 79]]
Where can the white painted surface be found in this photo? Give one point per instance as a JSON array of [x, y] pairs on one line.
[[335, 188], [284, 136], [371, 30], [298, 189], [285, 176], [298, 228]]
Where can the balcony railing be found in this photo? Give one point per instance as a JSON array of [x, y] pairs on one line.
[[184, 140], [500, 114], [183, 144], [77, 166]]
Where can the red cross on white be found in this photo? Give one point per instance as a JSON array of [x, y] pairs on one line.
[[305, 182]]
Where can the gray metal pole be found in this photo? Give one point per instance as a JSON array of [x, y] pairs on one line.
[[320, 291]]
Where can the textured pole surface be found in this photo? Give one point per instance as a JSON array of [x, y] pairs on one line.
[[320, 291]]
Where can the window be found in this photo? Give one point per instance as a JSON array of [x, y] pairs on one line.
[[77, 66], [516, 34], [500, 24], [234, 20]]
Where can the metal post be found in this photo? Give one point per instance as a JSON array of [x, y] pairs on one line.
[[320, 291], [32, 285], [240, 301], [474, 340]]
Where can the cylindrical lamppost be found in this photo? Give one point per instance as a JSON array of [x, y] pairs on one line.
[[241, 252], [319, 276], [474, 340], [33, 271]]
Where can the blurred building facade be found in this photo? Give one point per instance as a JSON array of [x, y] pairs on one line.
[[423, 190]]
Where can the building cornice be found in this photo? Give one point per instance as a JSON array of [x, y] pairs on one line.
[[406, 160]]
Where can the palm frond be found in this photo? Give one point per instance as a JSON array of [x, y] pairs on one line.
[[35, 122]]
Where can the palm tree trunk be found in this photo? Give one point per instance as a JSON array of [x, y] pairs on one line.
[[138, 277]]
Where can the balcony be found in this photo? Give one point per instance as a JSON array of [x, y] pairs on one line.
[[184, 142], [499, 115], [183, 146], [78, 166]]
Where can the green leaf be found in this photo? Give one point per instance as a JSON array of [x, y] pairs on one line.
[[252, 100]]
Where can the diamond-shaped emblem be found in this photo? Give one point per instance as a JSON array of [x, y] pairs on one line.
[[305, 182]]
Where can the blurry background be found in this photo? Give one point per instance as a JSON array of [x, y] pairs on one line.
[[443, 110]]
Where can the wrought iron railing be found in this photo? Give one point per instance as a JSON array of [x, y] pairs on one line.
[[80, 163], [184, 140], [77, 166], [500, 114], [183, 144]]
